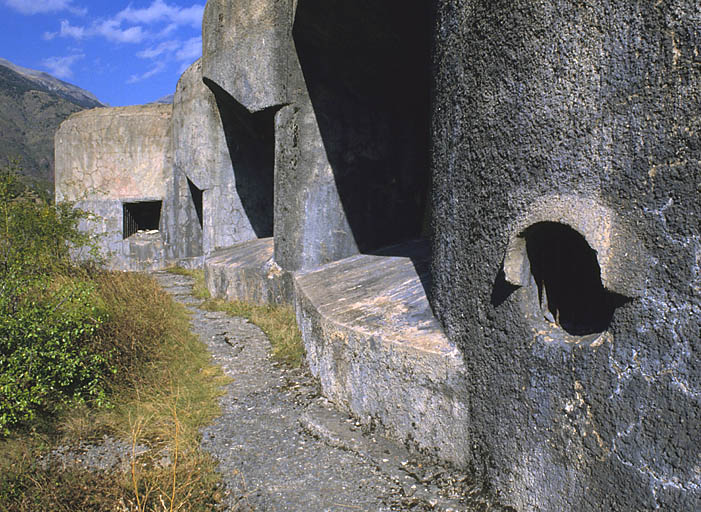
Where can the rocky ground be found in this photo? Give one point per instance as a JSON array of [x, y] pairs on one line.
[[282, 447]]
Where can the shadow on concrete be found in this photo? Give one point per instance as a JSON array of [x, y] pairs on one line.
[[502, 289], [366, 66], [568, 279], [251, 142], [419, 252]]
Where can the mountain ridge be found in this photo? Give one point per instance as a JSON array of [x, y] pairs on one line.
[[32, 106], [50, 83]]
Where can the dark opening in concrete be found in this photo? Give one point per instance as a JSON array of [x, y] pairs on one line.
[[141, 216], [568, 279], [251, 142], [366, 67], [196, 195]]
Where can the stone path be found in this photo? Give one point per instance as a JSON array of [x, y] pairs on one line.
[[283, 447]]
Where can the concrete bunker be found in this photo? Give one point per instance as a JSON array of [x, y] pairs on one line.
[[250, 138], [141, 216], [366, 68]]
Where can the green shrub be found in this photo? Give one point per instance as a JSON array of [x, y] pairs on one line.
[[36, 236], [46, 356], [47, 320]]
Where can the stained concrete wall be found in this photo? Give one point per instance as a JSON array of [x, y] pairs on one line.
[[573, 117], [113, 153], [110, 156]]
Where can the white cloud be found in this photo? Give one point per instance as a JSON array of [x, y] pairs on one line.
[[68, 30], [163, 26], [157, 68], [160, 11], [190, 51], [182, 52], [166, 47], [109, 29], [44, 6], [128, 26], [61, 66]]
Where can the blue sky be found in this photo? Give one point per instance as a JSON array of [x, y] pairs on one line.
[[125, 52]]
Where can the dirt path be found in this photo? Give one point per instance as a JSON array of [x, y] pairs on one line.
[[283, 447]]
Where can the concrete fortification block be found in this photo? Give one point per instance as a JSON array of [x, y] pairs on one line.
[[566, 253], [115, 163], [548, 148], [114, 153]]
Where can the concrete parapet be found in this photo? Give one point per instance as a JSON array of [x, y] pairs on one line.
[[247, 272], [379, 353], [370, 337]]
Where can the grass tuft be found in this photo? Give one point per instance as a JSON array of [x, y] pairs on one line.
[[278, 322], [164, 390]]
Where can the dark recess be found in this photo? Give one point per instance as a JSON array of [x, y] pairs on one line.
[[568, 278], [141, 216], [196, 194], [251, 142], [366, 66]]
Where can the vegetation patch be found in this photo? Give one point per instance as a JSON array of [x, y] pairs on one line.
[[87, 354], [278, 322], [199, 288]]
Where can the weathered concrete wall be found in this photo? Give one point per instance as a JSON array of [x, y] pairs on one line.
[[202, 156], [248, 272], [114, 153], [551, 115], [249, 54], [111, 156], [379, 352], [365, 66], [351, 133], [246, 46]]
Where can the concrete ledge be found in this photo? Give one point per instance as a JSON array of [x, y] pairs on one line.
[[246, 271], [378, 351], [370, 336]]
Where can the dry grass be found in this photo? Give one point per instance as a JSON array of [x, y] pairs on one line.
[[278, 322], [165, 389], [199, 289]]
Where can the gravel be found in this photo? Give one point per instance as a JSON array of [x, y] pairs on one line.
[[281, 446]]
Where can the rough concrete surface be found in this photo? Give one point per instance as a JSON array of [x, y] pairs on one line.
[[203, 164], [378, 351], [114, 153], [247, 272], [597, 101], [282, 447], [245, 49], [106, 157]]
